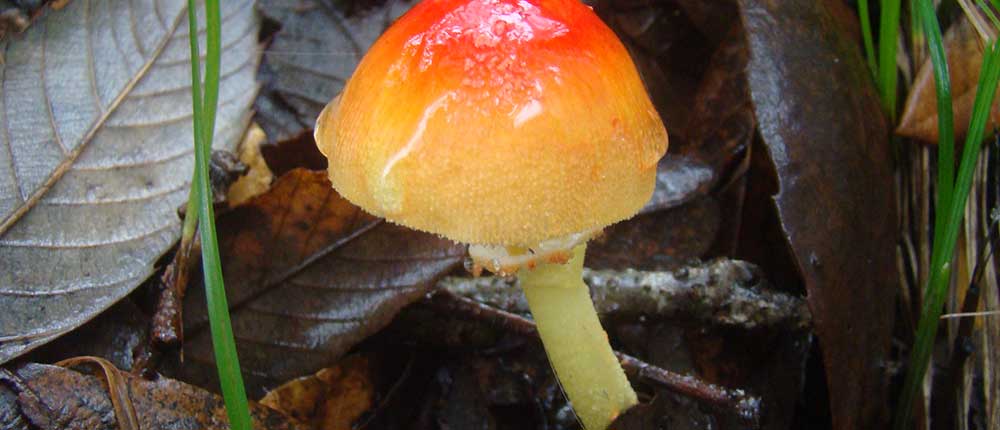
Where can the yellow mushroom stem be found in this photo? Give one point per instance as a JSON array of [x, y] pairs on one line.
[[575, 342]]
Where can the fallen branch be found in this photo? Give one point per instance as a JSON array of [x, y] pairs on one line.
[[745, 406], [720, 292]]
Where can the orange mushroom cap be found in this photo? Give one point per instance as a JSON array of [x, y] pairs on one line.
[[502, 122]]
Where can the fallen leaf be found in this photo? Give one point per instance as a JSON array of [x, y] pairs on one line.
[[692, 57], [311, 57], [258, 178], [51, 397], [10, 414], [95, 157], [117, 386], [965, 57], [300, 151], [827, 142], [671, 55], [661, 240], [722, 124], [119, 335], [309, 275], [332, 399]]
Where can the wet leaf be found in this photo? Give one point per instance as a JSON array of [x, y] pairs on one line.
[[95, 154], [120, 335], [722, 123], [692, 58], [308, 275], [51, 397], [311, 57], [332, 399], [965, 56], [706, 106], [665, 239], [299, 151], [826, 140]]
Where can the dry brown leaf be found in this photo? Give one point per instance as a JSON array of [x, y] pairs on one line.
[[332, 399], [965, 57], [258, 178], [121, 400], [52, 397]]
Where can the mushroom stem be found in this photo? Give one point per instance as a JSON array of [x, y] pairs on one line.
[[575, 342]]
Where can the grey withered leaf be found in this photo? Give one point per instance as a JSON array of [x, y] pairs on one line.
[[311, 57], [95, 153]]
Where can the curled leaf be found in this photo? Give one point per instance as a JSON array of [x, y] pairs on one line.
[[965, 58]]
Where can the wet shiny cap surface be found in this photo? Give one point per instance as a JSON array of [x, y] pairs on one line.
[[499, 122]]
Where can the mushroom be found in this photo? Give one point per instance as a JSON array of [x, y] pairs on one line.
[[520, 127]]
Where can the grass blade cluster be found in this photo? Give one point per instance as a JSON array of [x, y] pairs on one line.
[[953, 193]]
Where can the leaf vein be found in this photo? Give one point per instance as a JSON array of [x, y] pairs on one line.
[[133, 26], [246, 62], [55, 245], [301, 68], [43, 81], [91, 68], [63, 167], [305, 317], [172, 120], [10, 151], [116, 200], [139, 163], [28, 292]]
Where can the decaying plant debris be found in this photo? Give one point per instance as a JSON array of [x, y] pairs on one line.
[[757, 288]]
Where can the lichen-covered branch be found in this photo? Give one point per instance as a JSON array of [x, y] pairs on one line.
[[722, 292]]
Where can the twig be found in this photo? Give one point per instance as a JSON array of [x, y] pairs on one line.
[[721, 292], [970, 314], [963, 347], [745, 406]]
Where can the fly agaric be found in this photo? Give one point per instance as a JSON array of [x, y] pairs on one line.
[[520, 127]]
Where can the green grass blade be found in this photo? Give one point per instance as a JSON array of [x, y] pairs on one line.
[[866, 34], [989, 13], [937, 288], [213, 29], [191, 215], [946, 128], [223, 342], [888, 35]]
